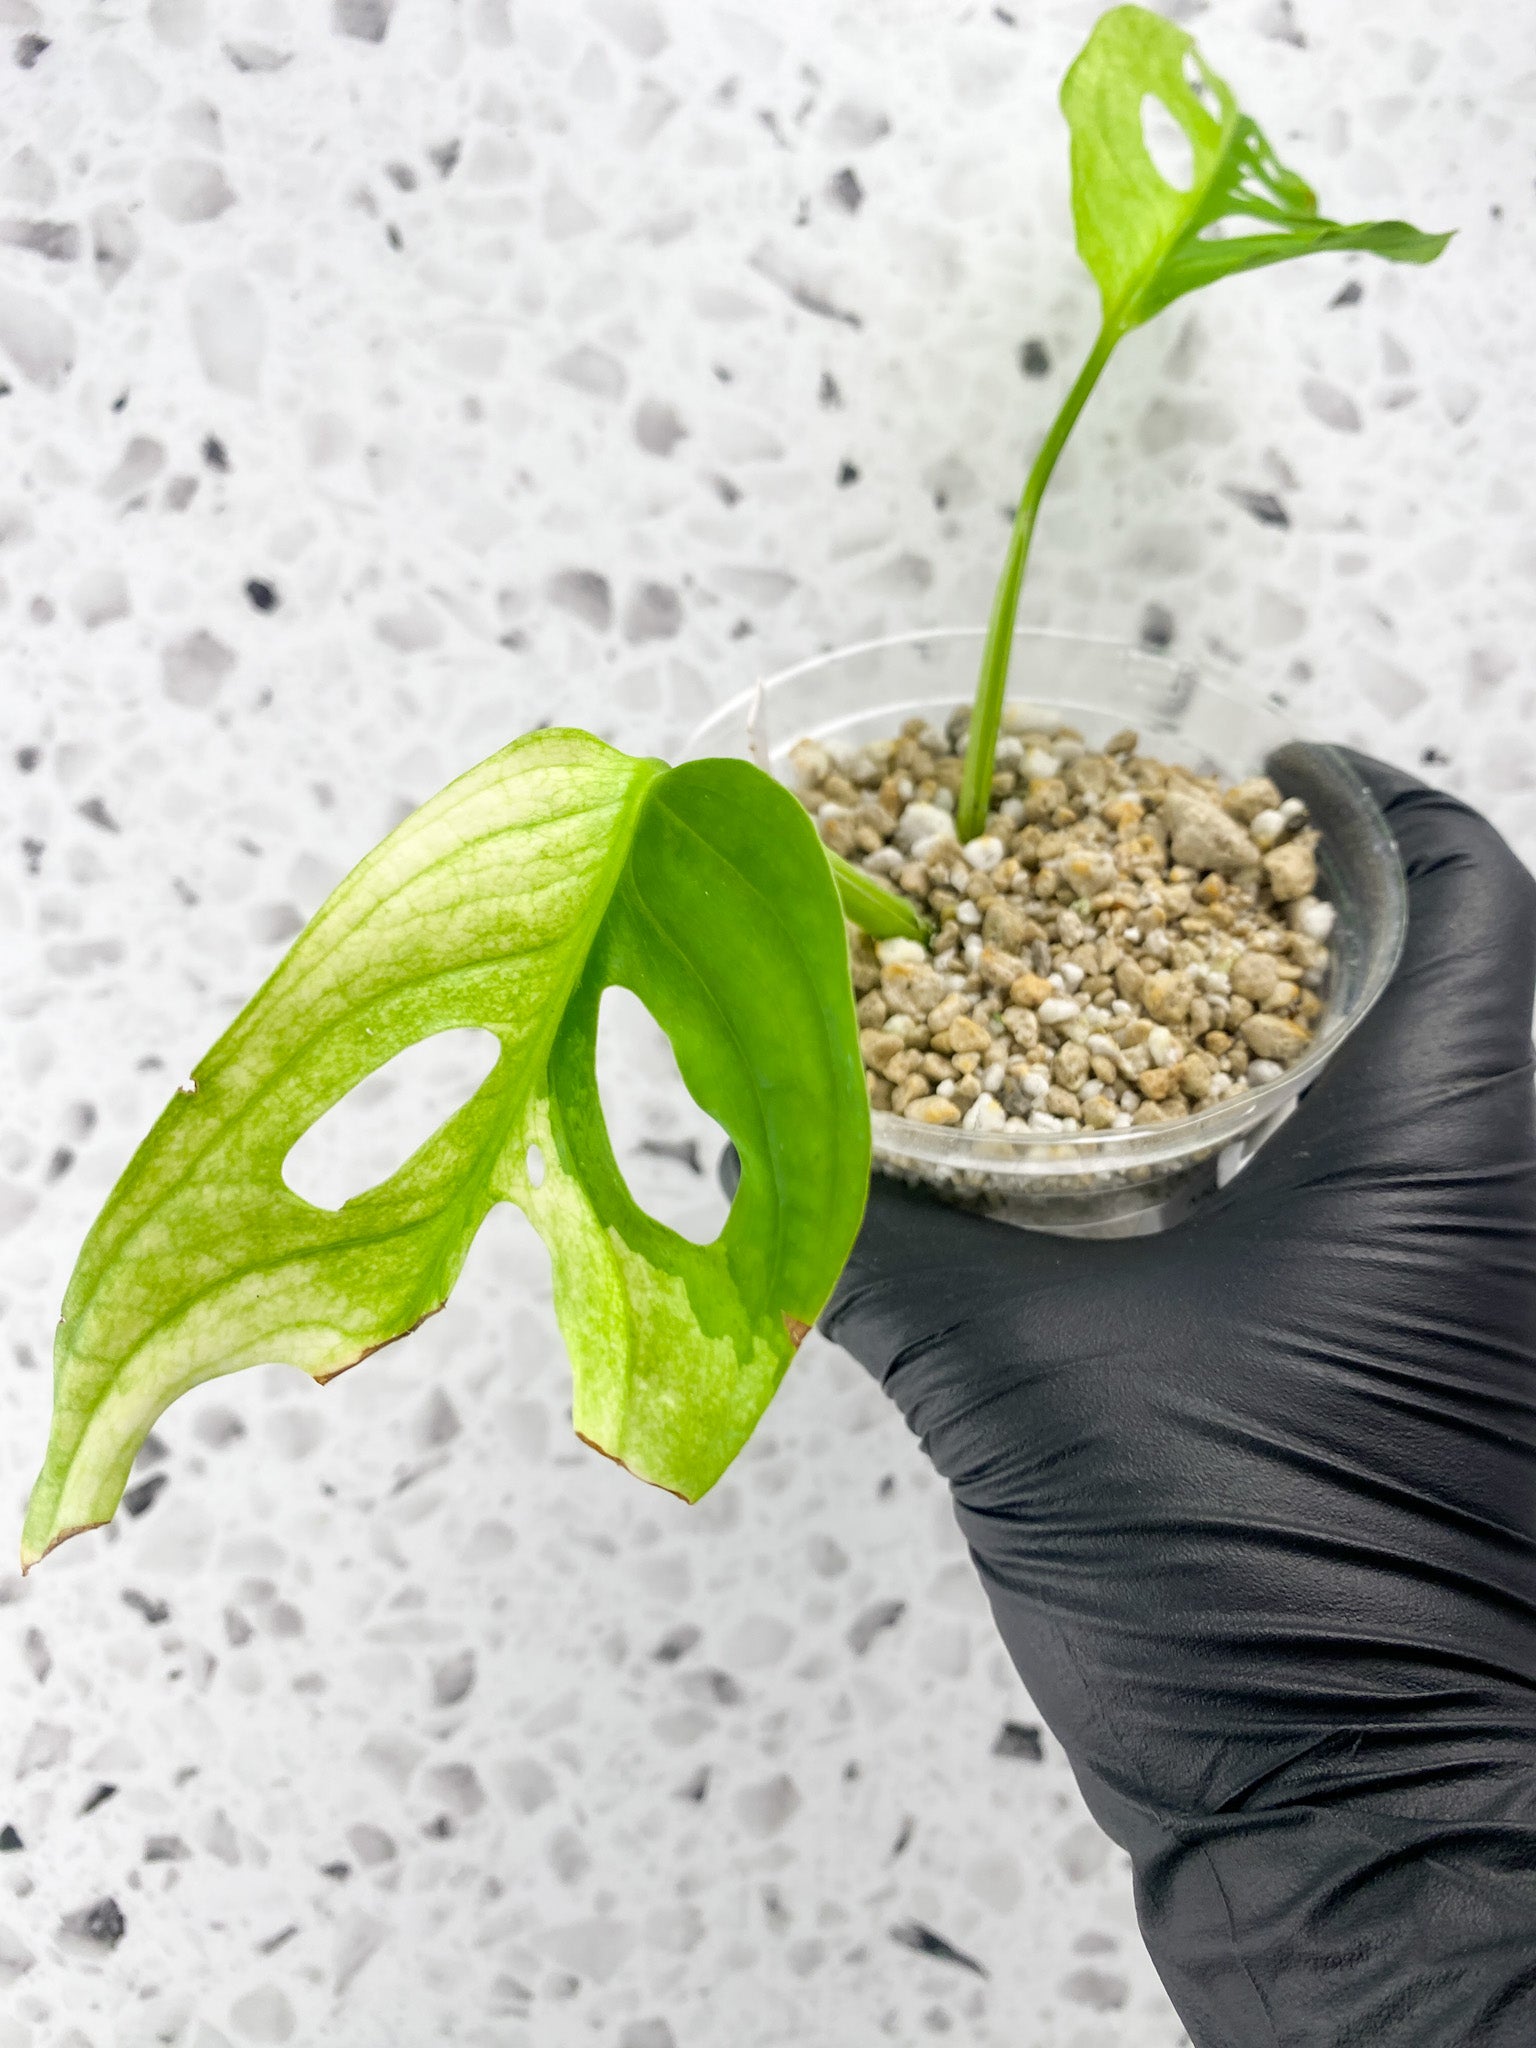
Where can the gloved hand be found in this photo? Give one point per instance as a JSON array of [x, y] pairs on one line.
[[1254, 1501]]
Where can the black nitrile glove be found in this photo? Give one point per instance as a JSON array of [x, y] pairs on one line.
[[1255, 1501]]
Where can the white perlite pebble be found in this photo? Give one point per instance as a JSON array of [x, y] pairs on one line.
[[901, 953], [986, 1113], [1260, 1071], [1057, 1010], [983, 854], [1314, 920], [1265, 829], [920, 822], [1163, 1047], [1039, 765]]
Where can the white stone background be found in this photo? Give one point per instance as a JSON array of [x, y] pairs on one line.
[[515, 322]]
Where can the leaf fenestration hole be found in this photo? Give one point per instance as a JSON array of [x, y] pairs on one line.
[[366, 1137], [665, 1145], [1171, 151], [533, 1166]]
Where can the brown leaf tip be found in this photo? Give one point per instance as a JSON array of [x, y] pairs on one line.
[[798, 1331], [59, 1536], [614, 1459]]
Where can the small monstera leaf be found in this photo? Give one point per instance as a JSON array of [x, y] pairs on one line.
[[509, 902], [1145, 241]]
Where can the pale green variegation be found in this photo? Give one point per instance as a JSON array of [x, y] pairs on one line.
[[509, 902], [1147, 243]]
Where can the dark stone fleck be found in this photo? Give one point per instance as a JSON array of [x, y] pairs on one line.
[[215, 454], [1348, 294], [96, 812], [716, 1685], [585, 595], [1020, 1739], [1264, 505], [153, 1611], [393, 236], [401, 176], [851, 1773], [439, 1829], [886, 1487], [154, 1450], [99, 1797], [56, 240], [685, 1151], [250, 56], [844, 190], [676, 1643], [827, 392], [165, 1849], [742, 630], [1157, 628], [139, 1499], [262, 595], [913, 1934], [847, 473], [32, 853], [727, 492], [336, 1870], [1432, 757], [29, 48], [445, 156], [102, 1923], [367, 20], [9, 1840], [27, 758], [903, 1835], [874, 1621], [1035, 358], [1099, 1990], [274, 1942], [695, 1787], [119, 404], [654, 612], [62, 1160]]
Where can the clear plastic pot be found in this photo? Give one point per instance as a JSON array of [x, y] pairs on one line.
[[1097, 1183]]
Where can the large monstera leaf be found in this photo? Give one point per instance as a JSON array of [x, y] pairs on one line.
[[509, 902], [1147, 242]]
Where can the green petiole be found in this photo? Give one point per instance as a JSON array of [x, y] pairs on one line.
[[873, 909], [992, 684]]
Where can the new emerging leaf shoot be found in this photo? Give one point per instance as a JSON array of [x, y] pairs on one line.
[[1147, 243]]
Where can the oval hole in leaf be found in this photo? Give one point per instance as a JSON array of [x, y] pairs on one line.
[[368, 1136], [1171, 151], [665, 1145]]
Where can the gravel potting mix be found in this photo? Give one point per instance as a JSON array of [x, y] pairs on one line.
[[1126, 943]]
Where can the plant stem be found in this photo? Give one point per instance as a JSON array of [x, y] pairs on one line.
[[992, 684], [877, 911]]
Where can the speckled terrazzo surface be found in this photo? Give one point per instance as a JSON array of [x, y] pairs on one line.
[[381, 380]]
